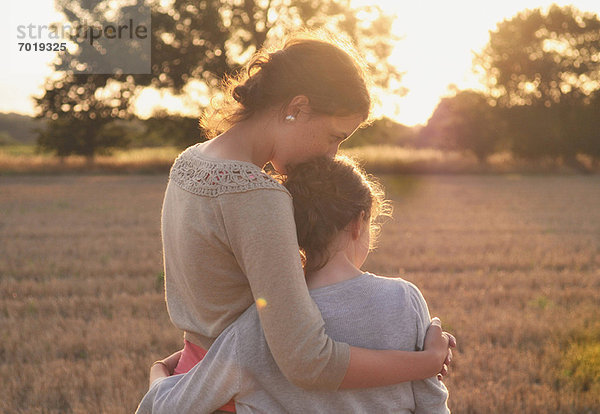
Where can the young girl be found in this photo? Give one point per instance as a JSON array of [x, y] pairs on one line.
[[228, 232], [336, 207]]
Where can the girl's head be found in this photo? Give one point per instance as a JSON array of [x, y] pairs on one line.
[[333, 198], [315, 87]]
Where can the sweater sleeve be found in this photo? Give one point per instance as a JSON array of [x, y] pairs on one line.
[[262, 235], [205, 388], [430, 395]]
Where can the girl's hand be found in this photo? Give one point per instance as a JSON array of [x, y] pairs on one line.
[[164, 367], [440, 343]]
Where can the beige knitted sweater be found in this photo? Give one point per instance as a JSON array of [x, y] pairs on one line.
[[229, 239]]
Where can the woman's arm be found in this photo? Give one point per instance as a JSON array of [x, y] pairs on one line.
[[262, 235], [366, 366], [373, 368]]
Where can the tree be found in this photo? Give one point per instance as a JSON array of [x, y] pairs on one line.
[[465, 121], [80, 100], [590, 128], [544, 68], [207, 39], [383, 131], [176, 130], [77, 109], [536, 58], [560, 131], [67, 135], [203, 41]]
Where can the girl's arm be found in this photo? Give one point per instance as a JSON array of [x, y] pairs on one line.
[[205, 388], [262, 234], [164, 367]]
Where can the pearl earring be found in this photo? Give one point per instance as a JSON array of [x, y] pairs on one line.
[[290, 118]]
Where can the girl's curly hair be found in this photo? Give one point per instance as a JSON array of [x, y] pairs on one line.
[[327, 196]]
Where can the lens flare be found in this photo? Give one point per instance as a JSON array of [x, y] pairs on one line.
[[261, 303]]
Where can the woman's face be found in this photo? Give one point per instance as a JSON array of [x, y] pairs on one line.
[[312, 135]]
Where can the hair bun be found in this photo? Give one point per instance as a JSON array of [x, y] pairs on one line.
[[240, 93], [248, 93]]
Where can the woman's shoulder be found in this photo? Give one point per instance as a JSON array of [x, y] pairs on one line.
[[202, 175]]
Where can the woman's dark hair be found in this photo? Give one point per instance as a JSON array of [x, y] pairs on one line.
[[327, 196], [327, 71]]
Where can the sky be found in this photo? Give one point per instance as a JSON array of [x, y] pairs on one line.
[[431, 59]]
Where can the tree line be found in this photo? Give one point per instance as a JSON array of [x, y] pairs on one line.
[[18, 129], [541, 71]]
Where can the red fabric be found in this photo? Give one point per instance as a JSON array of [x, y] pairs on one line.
[[191, 355]]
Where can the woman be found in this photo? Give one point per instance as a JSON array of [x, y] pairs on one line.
[[229, 237]]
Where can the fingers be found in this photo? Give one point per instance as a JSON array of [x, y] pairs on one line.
[[172, 360], [451, 340], [175, 356], [443, 372], [448, 360], [436, 322], [158, 370]]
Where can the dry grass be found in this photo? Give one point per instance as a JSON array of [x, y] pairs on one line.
[[510, 263], [399, 160], [23, 159]]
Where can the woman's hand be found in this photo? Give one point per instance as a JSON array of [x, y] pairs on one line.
[[164, 367], [441, 344]]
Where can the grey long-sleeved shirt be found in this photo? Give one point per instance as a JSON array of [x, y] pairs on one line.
[[368, 311]]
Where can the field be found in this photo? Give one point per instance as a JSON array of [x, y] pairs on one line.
[[24, 159], [510, 263]]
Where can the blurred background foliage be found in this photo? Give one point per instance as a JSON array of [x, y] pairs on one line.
[[541, 72]]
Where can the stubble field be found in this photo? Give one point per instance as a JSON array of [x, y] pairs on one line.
[[511, 264]]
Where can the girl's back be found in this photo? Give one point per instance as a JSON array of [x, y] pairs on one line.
[[370, 311]]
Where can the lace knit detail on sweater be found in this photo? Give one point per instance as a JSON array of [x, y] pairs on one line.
[[202, 175]]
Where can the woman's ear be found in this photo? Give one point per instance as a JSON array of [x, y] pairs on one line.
[[298, 104]]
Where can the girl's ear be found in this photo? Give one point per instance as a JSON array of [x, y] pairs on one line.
[[357, 225]]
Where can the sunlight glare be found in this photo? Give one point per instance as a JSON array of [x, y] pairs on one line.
[[437, 43]]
